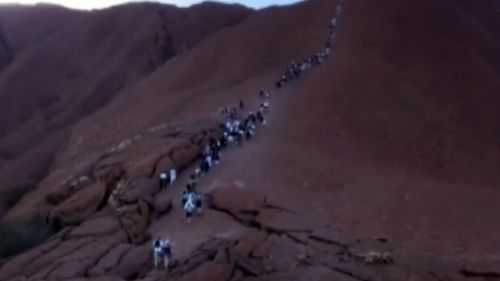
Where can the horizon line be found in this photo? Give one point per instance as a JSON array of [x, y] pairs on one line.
[[232, 2]]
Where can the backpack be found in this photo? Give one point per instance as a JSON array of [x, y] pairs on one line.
[[189, 206]]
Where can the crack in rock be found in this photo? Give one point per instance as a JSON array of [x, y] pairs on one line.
[[479, 274]]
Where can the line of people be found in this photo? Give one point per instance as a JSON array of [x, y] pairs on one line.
[[294, 70], [235, 131]]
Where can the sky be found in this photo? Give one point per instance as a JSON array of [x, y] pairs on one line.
[[96, 4]]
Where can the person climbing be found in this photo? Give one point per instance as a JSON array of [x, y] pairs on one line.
[[242, 105], [212, 142], [192, 181], [173, 176], [229, 125], [239, 137], [339, 10], [208, 158], [193, 178], [223, 141], [198, 203], [197, 173], [230, 138], [261, 93], [248, 134], [158, 256], [191, 187], [216, 156], [190, 205], [204, 166], [236, 126], [252, 116], [232, 113], [260, 118], [166, 248], [333, 23], [266, 106], [184, 197], [206, 150], [327, 51], [163, 180]]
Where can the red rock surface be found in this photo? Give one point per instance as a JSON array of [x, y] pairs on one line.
[[64, 65], [380, 164]]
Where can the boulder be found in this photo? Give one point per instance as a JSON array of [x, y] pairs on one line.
[[110, 260], [194, 261], [137, 189], [63, 249], [41, 274], [135, 224], [283, 252], [199, 139], [81, 204], [70, 269], [19, 263], [142, 166], [57, 196], [35, 203], [93, 250], [111, 174], [162, 204], [100, 226], [209, 271], [183, 156], [248, 243], [262, 250], [136, 260], [237, 201], [249, 266]]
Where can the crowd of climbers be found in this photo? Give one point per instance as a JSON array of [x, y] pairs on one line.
[[235, 131]]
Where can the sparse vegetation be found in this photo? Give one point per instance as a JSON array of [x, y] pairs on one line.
[[19, 236]]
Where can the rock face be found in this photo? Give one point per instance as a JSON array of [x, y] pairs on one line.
[[99, 226], [5, 53], [44, 93], [162, 204], [139, 188], [101, 247], [81, 204], [104, 186], [237, 201]]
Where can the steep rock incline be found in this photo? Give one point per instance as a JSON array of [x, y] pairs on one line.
[[305, 188], [5, 52], [222, 69], [84, 64], [24, 26], [416, 85], [385, 139]]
